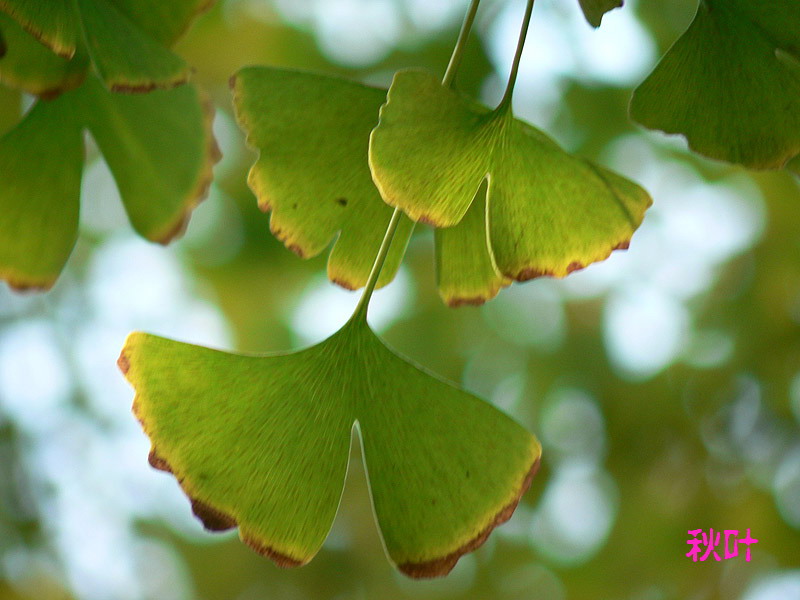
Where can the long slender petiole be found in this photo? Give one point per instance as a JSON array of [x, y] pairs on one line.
[[512, 78], [449, 76]]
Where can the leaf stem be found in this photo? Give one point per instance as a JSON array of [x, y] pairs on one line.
[[512, 78], [360, 312], [461, 44]]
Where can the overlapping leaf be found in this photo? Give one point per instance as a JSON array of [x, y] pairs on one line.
[[34, 68], [262, 443], [159, 147], [546, 213], [126, 41], [594, 10], [312, 134], [731, 83]]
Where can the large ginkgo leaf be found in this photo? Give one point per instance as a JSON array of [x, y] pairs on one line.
[[159, 147], [262, 442], [547, 212], [731, 83], [312, 134], [127, 42]]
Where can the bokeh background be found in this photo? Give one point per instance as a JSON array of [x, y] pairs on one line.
[[664, 383]]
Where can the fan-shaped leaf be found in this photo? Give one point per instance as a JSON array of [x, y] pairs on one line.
[[594, 10], [159, 147], [127, 41], [548, 213], [262, 442], [312, 134], [731, 83]]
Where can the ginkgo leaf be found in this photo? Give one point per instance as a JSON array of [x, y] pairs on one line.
[[39, 194], [53, 22], [594, 10], [128, 43], [466, 271], [794, 165], [159, 147], [731, 83], [547, 212], [30, 66], [312, 134], [262, 443]]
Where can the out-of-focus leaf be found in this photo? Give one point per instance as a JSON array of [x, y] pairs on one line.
[[159, 147], [549, 213], [312, 134], [125, 57], [794, 165], [594, 10], [53, 22], [262, 442], [128, 42], [731, 83], [39, 194], [30, 66]]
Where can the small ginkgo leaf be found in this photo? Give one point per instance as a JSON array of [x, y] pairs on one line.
[[312, 135], [126, 58], [548, 212], [159, 147], [731, 83], [262, 443], [594, 10], [39, 195], [127, 42], [33, 68], [53, 22]]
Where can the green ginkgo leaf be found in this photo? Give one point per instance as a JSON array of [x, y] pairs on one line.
[[547, 212], [731, 83], [53, 22], [312, 134], [262, 443], [33, 68], [126, 41], [159, 146], [594, 10], [39, 194]]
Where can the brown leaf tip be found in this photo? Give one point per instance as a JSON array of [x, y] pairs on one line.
[[281, 560], [344, 283], [532, 273], [442, 566], [124, 363], [457, 302], [212, 519], [157, 462]]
